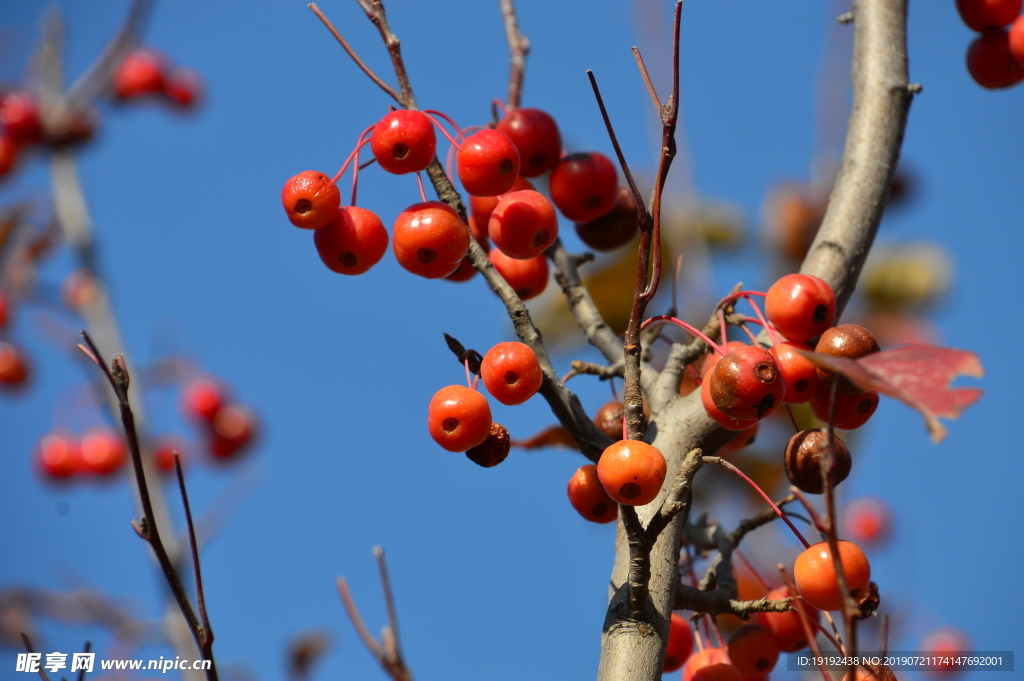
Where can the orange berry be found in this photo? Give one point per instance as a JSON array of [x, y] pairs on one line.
[[529, 278], [458, 418], [59, 455], [103, 451], [511, 372], [816, 578], [430, 239], [523, 224], [680, 643], [753, 650], [786, 626], [704, 658], [310, 199], [588, 497], [632, 472], [13, 371]]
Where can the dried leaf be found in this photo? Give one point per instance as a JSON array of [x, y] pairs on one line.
[[918, 375], [555, 436]]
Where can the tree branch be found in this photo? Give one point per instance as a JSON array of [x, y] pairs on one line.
[[518, 47], [355, 57]]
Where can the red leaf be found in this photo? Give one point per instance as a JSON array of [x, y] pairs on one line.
[[555, 436], [918, 375]]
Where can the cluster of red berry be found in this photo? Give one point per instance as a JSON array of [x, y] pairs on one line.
[[142, 73], [995, 59], [459, 418], [430, 238], [229, 428], [101, 452], [145, 72]]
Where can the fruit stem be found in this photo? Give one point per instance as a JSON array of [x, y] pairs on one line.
[[736, 296], [687, 327], [725, 464], [355, 170], [498, 105], [471, 379], [764, 322], [351, 156], [753, 571], [419, 181], [431, 113]]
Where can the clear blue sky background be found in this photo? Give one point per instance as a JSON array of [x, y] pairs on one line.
[[495, 575]]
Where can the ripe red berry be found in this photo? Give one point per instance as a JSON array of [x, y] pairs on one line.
[[747, 383], [536, 137], [404, 142], [1016, 40], [353, 243], [10, 151], [481, 207], [852, 411], [786, 626], [990, 61], [4, 309], [588, 497], [464, 272], [58, 455], [608, 419], [184, 87], [19, 115], [487, 163], [868, 520], [631, 472], [704, 658], [804, 456], [103, 451], [711, 359], [743, 439], [584, 186], [717, 672], [979, 14], [717, 415], [233, 430], [800, 306], [529, 278], [614, 229], [141, 73], [201, 399], [846, 340], [680, 643], [13, 369], [816, 578], [753, 650], [523, 224], [310, 199], [799, 373], [458, 418], [511, 372], [163, 454], [430, 239], [493, 450]]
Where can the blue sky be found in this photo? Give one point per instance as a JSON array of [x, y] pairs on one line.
[[494, 573]]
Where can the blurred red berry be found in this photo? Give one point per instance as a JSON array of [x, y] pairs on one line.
[[202, 399], [981, 14], [141, 73], [19, 115], [991, 62], [233, 429], [58, 455], [184, 87], [103, 451], [13, 369]]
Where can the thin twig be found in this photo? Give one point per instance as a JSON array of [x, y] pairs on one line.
[[85, 649], [206, 644], [603, 372], [389, 599], [518, 47], [805, 622], [357, 620], [28, 646], [355, 57]]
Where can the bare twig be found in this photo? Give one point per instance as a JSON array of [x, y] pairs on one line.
[[518, 47], [581, 303], [603, 372], [28, 646], [718, 602], [805, 622], [355, 57], [389, 599], [147, 528], [206, 639], [85, 649], [763, 518]]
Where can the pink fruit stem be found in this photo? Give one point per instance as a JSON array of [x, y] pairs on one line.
[[351, 156], [753, 571], [355, 170], [419, 181], [471, 380], [778, 511], [687, 327], [431, 113], [764, 322], [500, 105], [739, 294]]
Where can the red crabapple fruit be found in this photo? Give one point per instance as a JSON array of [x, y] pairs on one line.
[[536, 137], [19, 115], [353, 243], [614, 229], [804, 456], [404, 141], [430, 239], [103, 451], [816, 578], [511, 372], [991, 61], [800, 306], [799, 373], [852, 411], [487, 163], [588, 497], [493, 450], [747, 383], [458, 418], [523, 224], [632, 472], [753, 650], [680, 643], [233, 430], [981, 14], [786, 626], [141, 73], [58, 455], [13, 369], [529, 278], [584, 186], [310, 199]]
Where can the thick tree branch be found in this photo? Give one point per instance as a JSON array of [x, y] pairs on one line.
[[582, 304]]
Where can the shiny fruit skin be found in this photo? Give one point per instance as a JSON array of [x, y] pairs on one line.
[[588, 497], [704, 658], [481, 207], [804, 457], [991, 62], [609, 417], [103, 451], [487, 163], [632, 472], [458, 418], [800, 306], [536, 136], [59, 455], [310, 199], [753, 650], [799, 373], [680, 643], [1016, 40], [816, 577], [523, 224], [492, 450], [404, 141], [430, 239], [846, 340], [981, 14], [717, 415], [786, 626], [852, 411], [584, 186], [614, 229], [352, 243], [511, 372], [528, 278], [747, 384]]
